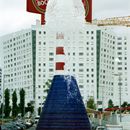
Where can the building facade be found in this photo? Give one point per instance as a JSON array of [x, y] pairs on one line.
[[29, 60], [121, 70], [17, 58], [105, 65]]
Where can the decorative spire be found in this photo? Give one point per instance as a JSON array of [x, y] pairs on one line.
[[60, 55]]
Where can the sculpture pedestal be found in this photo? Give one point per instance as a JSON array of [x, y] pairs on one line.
[[64, 108]]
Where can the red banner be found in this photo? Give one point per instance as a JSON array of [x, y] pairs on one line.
[[60, 65], [43, 19], [88, 10], [37, 6], [59, 51]]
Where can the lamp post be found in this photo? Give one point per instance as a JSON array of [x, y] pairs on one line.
[[5, 75], [119, 83]]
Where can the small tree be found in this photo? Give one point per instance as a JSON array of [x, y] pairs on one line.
[[128, 105], [1, 109], [91, 104], [39, 110], [125, 104], [14, 104], [22, 102], [7, 107], [47, 88], [30, 108], [110, 104]]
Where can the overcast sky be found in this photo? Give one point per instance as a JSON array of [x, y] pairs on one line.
[[14, 17]]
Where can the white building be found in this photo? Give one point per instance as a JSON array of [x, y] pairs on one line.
[[105, 65], [18, 63], [29, 59], [121, 68]]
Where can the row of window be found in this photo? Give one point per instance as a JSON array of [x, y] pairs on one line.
[[17, 45], [20, 36]]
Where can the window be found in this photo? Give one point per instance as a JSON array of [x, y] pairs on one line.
[[125, 68], [125, 58], [119, 63], [81, 64], [119, 53], [26, 34], [50, 70], [119, 43], [51, 59], [119, 48], [81, 86], [73, 70], [119, 38], [51, 53], [119, 68], [81, 70], [120, 58], [81, 53], [40, 32]]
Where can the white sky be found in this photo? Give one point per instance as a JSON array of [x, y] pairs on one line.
[[14, 17]]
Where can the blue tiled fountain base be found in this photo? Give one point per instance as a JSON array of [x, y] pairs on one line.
[[64, 108]]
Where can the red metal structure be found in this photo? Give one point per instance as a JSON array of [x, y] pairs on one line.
[[88, 10], [39, 7]]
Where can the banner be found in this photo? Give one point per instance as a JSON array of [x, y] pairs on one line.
[[88, 10], [60, 65], [37, 6]]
